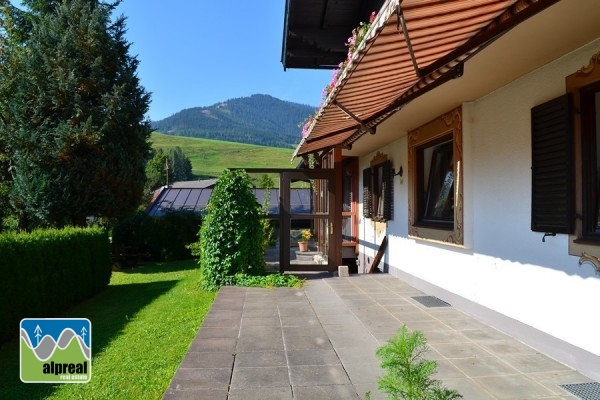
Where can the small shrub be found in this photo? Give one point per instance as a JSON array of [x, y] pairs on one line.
[[231, 237], [264, 281], [408, 375]]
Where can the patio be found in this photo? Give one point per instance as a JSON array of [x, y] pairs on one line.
[[319, 342]]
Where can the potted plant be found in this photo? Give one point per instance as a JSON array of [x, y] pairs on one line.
[[303, 244]]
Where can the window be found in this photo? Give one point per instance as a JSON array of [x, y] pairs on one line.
[[349, 203], [590, 157], [435, 179], [584, 88], [437, 185], [378, 189]]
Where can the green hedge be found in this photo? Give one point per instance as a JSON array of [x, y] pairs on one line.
[[162, 238], [46, 271]]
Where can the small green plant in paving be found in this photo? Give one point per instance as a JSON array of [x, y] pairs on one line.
[[142, 326], [408, 374]]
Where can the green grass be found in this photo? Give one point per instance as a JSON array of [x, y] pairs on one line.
[[142, 325], [212, 157]]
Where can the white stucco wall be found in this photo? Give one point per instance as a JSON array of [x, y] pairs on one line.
[[503, 266]]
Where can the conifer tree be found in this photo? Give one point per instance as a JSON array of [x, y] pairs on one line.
[[180, 166], [72, 112]]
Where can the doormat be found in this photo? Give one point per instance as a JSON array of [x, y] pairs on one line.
[[585, 391], [431, 301]]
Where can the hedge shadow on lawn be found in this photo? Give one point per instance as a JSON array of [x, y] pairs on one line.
[[164, 266], [109, 312]]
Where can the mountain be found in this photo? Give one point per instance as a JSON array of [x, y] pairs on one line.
[[258, 119]]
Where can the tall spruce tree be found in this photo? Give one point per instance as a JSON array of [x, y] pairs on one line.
[[180, 166], [73, 113]]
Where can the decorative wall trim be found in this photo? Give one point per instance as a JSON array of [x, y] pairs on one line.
[[379, 158], [593, 260]]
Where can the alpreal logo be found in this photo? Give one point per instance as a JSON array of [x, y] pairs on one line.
[[56, 350]]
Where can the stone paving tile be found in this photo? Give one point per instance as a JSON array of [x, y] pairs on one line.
[[329, 392], [484, 335], [293, 343], [459, 350], [318, 375], [464, 324], [291, 320], [261, 313], [207, 378], [469, 389], [483, 366], [506, 346], [269, 393], [244, 378], [261, 359], [429, 326], [207, 360], [363, 373], [312, 357], [448, 369], [531, 363], [267, 343], [214, 345], [216, 321], [445, 336], [513, 387], [359, 354], [258, 331], [261, 321], [311, 330], [196, 394], [218, 332]]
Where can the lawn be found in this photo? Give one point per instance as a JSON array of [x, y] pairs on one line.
[[142, 325]]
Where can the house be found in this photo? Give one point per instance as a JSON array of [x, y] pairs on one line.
[[468, 134]]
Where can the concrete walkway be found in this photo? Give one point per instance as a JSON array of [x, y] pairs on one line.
[[319, 342]]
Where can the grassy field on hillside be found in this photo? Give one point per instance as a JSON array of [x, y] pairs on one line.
[[211, 157]]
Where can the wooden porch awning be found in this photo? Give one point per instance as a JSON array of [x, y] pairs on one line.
[[412, 47]]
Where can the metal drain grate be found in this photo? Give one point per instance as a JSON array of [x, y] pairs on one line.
[[585, 391], [431, 301]]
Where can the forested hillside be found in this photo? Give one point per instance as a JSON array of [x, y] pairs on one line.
[[258, 119]]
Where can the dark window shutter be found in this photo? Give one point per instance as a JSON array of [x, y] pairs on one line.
[[367, 207], [388, 198], [552, 166]]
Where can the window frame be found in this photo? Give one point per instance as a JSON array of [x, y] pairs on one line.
[[350, 197], [378, 189], [447, 127], [582, 242]]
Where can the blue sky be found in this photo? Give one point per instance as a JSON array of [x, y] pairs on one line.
[[196, 53]]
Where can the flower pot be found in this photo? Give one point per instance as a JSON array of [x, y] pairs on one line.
[[303, 246]]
